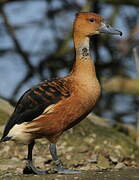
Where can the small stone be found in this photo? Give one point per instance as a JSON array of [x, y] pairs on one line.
[[105, 142], [113, 159], [103, 162], [89, 140], [83, 149], [97, 147], [68, 157], [94, 167], [69, 149], [119, 165], [94, 135], [93, 158], [118, 147]]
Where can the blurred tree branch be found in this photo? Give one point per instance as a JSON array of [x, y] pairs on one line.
[[26, 78], [31, 69], [17, 45], [120, 84]]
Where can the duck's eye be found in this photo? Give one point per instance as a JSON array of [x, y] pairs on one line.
[[91, 20]]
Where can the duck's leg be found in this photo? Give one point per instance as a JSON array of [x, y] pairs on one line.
[[58, 164], [29, 168]]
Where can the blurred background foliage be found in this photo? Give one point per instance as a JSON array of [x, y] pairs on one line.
[[36, 44]]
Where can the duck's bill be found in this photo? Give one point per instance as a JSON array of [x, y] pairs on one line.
[[107, 29]]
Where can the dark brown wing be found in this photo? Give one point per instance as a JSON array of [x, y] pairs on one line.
[[34, 101]]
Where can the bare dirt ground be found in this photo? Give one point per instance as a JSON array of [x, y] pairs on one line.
[[123, 174]]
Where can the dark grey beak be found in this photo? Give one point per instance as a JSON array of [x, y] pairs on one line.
[[107, 29]]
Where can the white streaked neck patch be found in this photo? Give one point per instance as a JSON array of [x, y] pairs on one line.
[[85, 53], [83, 49]]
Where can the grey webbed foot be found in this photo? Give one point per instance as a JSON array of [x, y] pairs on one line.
[[58, 164]]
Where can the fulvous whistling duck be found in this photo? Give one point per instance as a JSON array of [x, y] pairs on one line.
[[51, 107]]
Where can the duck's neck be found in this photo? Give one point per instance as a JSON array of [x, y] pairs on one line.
[[84, 65]]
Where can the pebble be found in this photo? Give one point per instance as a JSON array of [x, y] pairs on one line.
[[119, 165]]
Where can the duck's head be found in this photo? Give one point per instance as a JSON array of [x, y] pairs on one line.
[[88, 24]]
